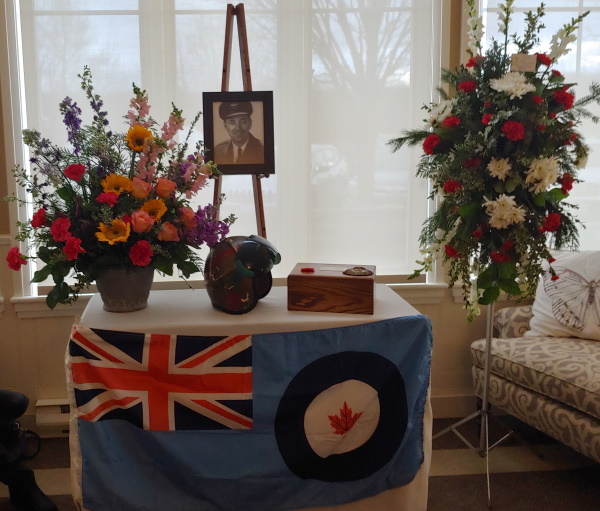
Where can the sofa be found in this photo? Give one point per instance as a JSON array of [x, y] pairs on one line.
[[545, 363]]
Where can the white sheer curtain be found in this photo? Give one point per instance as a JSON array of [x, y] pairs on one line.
[[346, 77], [582, 66]]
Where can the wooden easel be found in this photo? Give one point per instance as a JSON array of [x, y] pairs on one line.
[[238, 12]]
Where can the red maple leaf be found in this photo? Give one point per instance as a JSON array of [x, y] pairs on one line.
[[343, 422]]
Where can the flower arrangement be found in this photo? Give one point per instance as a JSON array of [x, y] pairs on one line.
[[114, 199], [502, 153]]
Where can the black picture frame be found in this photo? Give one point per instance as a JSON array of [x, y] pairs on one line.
[[218, 143]]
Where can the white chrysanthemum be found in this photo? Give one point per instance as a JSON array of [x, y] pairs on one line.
[[439, 112], [542, 173], [513, 84], [503, 211], [499, 168]]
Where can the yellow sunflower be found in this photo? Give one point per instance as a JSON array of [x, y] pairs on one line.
[[115, 232], [156, 208], [137, 137], [115, 183]]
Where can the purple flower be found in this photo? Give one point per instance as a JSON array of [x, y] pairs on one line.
[[72, 121], [209, 230]]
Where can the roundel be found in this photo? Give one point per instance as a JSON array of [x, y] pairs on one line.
[[342, 417]]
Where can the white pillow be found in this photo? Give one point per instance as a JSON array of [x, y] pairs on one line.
[[570, 305]]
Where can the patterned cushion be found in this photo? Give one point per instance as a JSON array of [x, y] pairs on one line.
[[571, 427], [569, 305], [565, 369], [512, 321]]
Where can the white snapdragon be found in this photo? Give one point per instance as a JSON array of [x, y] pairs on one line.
[[499, 168], [542, 173], [504, 16], [475, 34], [559, 43], [439, 112], [513, 83], [503, 211]]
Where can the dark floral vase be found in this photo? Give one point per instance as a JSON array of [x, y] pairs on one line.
[[125, 289]]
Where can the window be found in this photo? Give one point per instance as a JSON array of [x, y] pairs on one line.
[[346, 77], [580, 65]]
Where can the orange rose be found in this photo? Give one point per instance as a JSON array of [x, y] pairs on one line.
[[168, 232], [165, 187], [188, 218], [140, 189]]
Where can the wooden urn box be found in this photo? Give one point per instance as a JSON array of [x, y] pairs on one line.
[[331, 288]]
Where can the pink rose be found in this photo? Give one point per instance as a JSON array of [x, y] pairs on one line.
[[165, 187], [141, 221]]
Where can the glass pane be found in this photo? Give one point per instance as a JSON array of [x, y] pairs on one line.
[[84, 5]]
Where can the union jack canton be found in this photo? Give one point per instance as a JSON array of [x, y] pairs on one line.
[[162, 382]]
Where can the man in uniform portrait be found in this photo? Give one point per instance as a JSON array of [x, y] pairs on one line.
[[242, 147]]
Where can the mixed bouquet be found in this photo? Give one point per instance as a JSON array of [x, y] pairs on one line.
[[113, 199], [502, 153]]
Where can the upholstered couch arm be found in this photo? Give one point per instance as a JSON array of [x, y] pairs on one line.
[[512, 321]]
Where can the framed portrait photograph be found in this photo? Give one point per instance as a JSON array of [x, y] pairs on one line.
[[238, 131]]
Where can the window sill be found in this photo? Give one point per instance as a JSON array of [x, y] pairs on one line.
[[35, 307]]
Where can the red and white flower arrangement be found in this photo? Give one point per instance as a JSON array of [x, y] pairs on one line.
[[502, 152]]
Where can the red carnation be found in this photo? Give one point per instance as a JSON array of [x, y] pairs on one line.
[[467, 86], [566, 181], [109, 198], [72, 248], [141, 253], [486, 119], [451, 186], [477, 60], [537, 99], [451, 251], [471, 163], [541, 127], [513, 130], [554, 277], [551, 223], [60, 229], [430, 142], [15, 259], [451, 122], [75, 171], [543, 59], [39, 218], [498, 257], [564, 98], [507, 245], [556, 73], [478, 234]]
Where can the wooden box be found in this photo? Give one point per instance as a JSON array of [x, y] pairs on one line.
[[327, 289]]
